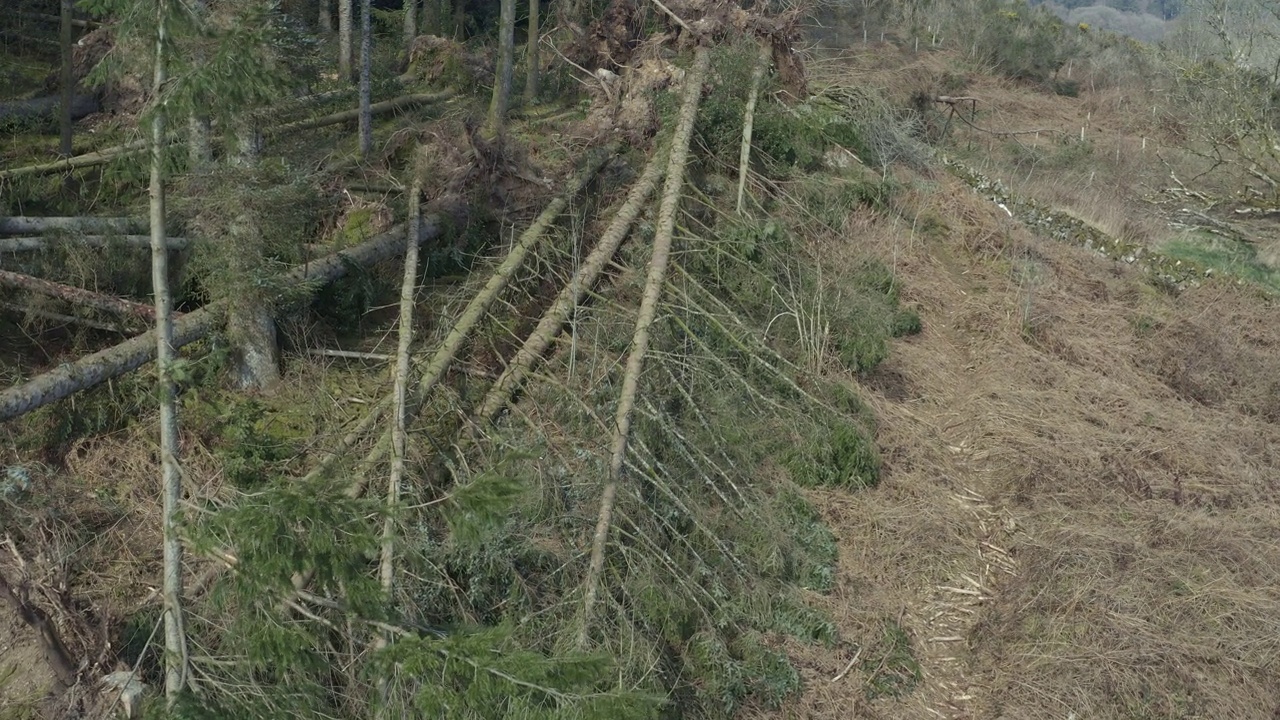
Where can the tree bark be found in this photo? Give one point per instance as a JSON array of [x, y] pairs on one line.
[[344, 40], [66, 80], [175, 676], [502, 75], [97, 368], [532, 59], [640, 340], [366, 74], [78, 296]]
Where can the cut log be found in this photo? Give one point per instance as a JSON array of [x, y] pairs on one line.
[[40, 244], [88, 224], [94, 369], [78, 296]]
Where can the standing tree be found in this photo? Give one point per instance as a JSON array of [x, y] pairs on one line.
[[502, 77], [531, 56], [366, 73], [344, 40], [66, 80], [410, 22], [199, 150], [325, 17], [174, 635]]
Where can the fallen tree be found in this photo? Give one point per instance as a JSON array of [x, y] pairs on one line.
[[40, 244], [96, 368], [385, 106], [106, 155], [88, 224], [77, 296]]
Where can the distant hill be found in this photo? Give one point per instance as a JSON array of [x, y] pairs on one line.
[[1144, 20]]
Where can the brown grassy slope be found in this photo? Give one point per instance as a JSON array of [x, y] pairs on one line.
[[1078, 513]]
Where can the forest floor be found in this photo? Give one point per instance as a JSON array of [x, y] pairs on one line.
[[1078, 510]]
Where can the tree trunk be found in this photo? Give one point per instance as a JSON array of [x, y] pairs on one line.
[[344, 40], [20, 225], [366, 72], [99, 367], [640, 339], [255, 358], [78, 296], [410, 23], [502, 76], [748, 121], [199, 149], [349, 115], [325, 17], [39, 244], [399, 437], [174, 634], [532, 58], [67, 82]]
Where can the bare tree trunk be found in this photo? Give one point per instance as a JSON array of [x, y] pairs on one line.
[[410, 23], [344, 41], [640, 340], [398, 435], [67, 80], [174, 634], [325, 17], [366, 72], [502, 76], [532, 56]]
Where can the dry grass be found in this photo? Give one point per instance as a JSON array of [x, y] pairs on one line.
[[1091, 461]]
